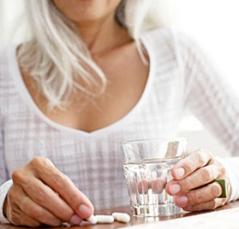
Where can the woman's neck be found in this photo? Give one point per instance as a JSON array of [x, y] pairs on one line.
[[103, 35]]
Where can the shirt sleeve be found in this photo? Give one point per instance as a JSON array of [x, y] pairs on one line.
[[231, 165], [211, 101], [4, 184], [4, 188]]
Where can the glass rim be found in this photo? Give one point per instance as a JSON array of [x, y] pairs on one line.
[[134, 143], [158, 160], [142, 140]]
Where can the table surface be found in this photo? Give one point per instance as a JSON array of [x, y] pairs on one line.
[[134, 220]]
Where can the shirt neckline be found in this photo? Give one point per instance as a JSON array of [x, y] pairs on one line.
[[24, 93]]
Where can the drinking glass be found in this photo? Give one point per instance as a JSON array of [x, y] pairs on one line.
[[147, 169]]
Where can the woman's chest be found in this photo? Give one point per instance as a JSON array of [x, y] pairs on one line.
[[153, 110], [127, 79], [27, 135]]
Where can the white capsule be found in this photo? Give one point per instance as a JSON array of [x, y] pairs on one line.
[[121, 217], [92, 219], [104, 218]]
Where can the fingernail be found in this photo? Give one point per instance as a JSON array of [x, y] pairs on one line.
[[85, 211], [175, 188], [182, 200], [179, 173], [75, 220]]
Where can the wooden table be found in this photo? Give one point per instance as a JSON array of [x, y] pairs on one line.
[[134, 220]]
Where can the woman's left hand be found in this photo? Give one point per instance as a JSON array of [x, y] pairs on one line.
[[194, 187]]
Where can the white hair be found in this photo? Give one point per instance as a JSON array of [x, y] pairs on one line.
[[55, 52]]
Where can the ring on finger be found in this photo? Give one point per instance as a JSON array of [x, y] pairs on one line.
[[222, 183]]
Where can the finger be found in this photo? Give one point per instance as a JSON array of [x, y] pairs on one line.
[[18, 218], [143, 186], [25, 220], [211, 205], [158, 185], [65, 187], [201, 195], [197, 179], [50, 200], [44, 196], [34, 210], [190, 164]]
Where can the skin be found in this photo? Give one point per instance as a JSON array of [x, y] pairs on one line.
[[41, 194], [34, 199], [193, 185]]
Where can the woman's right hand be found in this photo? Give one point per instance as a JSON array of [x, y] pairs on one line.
[[41, 194]]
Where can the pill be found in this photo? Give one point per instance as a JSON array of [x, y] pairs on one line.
[[92, 219], [121, 217], [104, 218]]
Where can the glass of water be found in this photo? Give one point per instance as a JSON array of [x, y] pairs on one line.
[[147, 168]]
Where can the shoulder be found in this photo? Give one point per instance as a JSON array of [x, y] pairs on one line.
[[173, 42], [159, 36], [159, 33], [6, 54], [7, 59], [169, 37]]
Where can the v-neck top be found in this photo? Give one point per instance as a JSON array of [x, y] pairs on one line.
[[180, 78]]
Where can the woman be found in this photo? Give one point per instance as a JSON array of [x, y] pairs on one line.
[[94, 74]]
